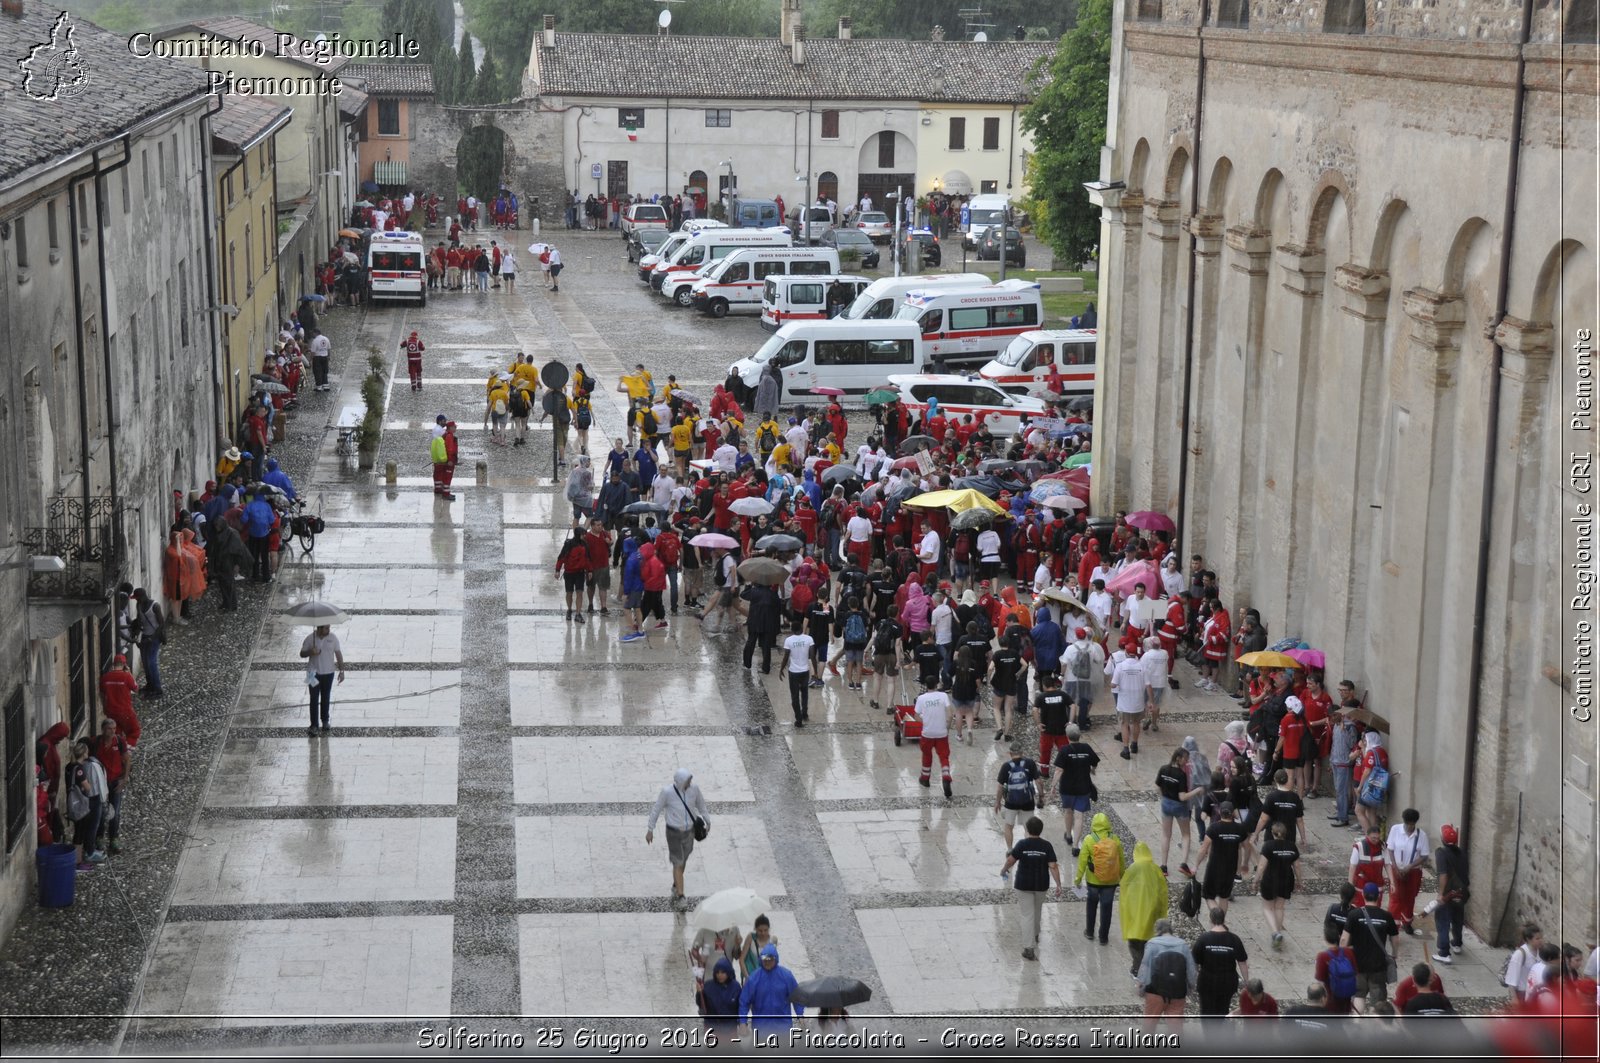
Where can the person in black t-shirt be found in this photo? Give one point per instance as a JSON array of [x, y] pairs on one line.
[[1276, 875], [883, 589], [885, 662], [1055, 709], [1075, 762], [1223, 964], [1172, 780], [1004, 666], [1219, 852], [1035, 861], [1284, 806], [1313, 1014], [1338, 914], [1368, 932], [930, 662]]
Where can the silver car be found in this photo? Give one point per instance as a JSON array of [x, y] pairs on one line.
[[876, 224]]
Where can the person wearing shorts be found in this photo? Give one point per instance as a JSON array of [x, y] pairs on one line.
[[684, 806], [598, 540], [572, 564], [1075, 763], [1014, 790]]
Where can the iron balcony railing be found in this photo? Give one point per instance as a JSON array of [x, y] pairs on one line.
[[88, 536]]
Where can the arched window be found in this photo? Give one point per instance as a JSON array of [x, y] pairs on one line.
[[1580, 26], [827, 186], [1345, 16]]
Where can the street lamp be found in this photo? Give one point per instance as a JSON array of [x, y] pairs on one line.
[[730, 197]]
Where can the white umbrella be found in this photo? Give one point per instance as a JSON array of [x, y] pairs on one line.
[[731, 907], [315, 614], [751, 507], [1067, 502]]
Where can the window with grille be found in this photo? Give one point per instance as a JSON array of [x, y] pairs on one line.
[[17, 803], [886, 150], [718, 118], [388, 118]]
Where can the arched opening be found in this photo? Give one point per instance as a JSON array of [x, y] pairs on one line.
[[827, 186], [1345, 16], [480, 161], [697, 182], [1580, 25], [1136, 167], [887, 161]]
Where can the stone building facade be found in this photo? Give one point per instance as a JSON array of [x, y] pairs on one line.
[[108, 372], [1345, 275]]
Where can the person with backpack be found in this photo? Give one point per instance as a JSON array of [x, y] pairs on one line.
[[855, 629], [572, 565], [1371, 780], [885, 659], [1166, 973], [1223, 964], [1100, 862], [1036, 864], [1014, 792], [1336, 973], [519, 406], [86, 793]]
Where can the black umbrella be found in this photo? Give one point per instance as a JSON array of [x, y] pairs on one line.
[[971, 519], [911, 444], [780, 542], [833, 991], [1081, 402], [635, 508], [838, 474], [989, 485], [996, 465], [1030, 468]]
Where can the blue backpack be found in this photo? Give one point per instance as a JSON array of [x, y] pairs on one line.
[[1374, 787], [1341, 974], [855, 630]]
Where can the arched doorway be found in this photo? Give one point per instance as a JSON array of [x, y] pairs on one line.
[[697, 182], [480, 161], [827, 186]]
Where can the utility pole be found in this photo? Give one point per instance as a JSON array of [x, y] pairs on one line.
[[1005, 238], [894, 246]]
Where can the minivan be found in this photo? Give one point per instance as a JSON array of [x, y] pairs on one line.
[[736, 282], [642, 214], [810, 224], [968, 327], [1025, 367], [395, 267], [883, 296], [755, 214], [854, 356], [980, 213], [806, 298], [674, 277]]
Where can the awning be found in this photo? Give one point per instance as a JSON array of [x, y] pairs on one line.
[[389, 173], [956, 183]]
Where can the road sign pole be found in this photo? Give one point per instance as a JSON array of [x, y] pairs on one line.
[[554, 377]]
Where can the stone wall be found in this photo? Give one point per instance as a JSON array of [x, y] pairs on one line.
[[1348, 237], [1480, 20], [532, 151]]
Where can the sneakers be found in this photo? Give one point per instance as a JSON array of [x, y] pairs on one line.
[[999, 735], [99, 857], [815, 683], [1125, 754], [312, 730], [948, 793], [1441, 958], [1277, 941], [1134, 747], [834, 668], [660, 624], [83, 866], [631, 636]]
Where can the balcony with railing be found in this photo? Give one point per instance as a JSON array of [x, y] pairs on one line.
[[87, 535]]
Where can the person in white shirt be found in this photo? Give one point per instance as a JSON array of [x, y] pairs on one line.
[[1099, 602], [797, 439], [1042, 576], [1172, 583], [663, 490], [988, 554], [858, 531], [1140, 611], [1128, 685], [933, 707], [797, 649], [323, 656], [321, 349], [553, 267], [928, 553], [1105, 573], [1408, 851], [943, 622], [725, 458], [865, 462], [1080, 664], [380, 218], [866, 203], [1522, 961], [408, 203], [1154, 664]]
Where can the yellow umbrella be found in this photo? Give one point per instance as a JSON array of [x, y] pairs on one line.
[[958, 501], [1269, 659]]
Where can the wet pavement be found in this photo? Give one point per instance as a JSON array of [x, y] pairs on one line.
[[467, 840]]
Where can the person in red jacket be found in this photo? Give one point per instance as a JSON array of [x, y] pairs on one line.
[[669, 548], [1293, 740], [837, 422], [1170, 632], [111, 750], [1214, 641], [117, 688], [48, 757], [1089, 562], [654, 575], [572, 565]]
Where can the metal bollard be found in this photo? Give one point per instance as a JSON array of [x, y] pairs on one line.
[[536, 225], [483, 473], [390, 473]]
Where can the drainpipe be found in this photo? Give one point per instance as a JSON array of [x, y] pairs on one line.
[[1194, 259], [77, 322], [1011, 159], [666, 188], [1480, 593], [210, 294]]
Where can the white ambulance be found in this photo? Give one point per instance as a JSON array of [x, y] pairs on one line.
[[736, 283], [395, 267], [674, 277], [799, 297], [1042, 363], [967, 328]]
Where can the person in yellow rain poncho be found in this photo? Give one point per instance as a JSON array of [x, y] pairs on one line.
[[499, 410], [1144, 900]]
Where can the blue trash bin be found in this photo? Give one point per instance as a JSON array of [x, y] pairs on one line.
[[58, 875]]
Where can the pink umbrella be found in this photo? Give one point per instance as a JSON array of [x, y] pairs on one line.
[[714, 541], [1139, 572], [1150, 520], [1310, 658], [835, 392]]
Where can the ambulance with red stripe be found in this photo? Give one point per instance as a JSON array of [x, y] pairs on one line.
[[1045, 363], [967, 328], [674, 277], [395, 267], [958, 396], [802, 298], [736, 283]]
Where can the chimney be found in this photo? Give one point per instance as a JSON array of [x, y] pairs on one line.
[[937, 34], [549, 31], [844, 27], [790, 18], [797, 49]]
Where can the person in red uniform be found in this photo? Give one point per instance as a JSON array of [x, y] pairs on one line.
[[1170, 632], [937, 425], [1367, 863], [711, 438], [1120, 533], [806, 517], [1214, 639], [1318, 705], [1292, 743], [721, 515], [414, 348], [1089, 562], [837, 422], [111, 750], [117, 688]]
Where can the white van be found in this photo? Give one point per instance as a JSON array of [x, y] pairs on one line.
[[969, 327], [395, 267], [736, 282], [981, 212], [673, 242], [959, 396], [816, 223], [883, 296], [805, 298], [854, 356], [705, 247], [642, 215], [1026, 365]]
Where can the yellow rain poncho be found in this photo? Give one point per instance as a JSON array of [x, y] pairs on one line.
[[1144, 896]]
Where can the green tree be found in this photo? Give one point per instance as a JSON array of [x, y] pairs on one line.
[[466, 72], [1068, 123], [444, 73], [123, 16], [487, 87]]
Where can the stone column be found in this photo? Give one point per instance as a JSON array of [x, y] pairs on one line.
[[1287, 347], [1160, 361], [1517, 593], [1206, 231], [1122, 217], [1232, 439]]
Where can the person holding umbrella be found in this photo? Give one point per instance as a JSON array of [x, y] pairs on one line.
[[323, 655]]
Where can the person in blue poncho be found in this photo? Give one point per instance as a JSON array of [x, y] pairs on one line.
[[1047, 642], [764, 1001], [719, 998], [276, 477]]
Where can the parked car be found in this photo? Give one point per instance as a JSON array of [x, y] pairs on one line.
[[931, 255], [645, 241], [876, 224], [643, 216], [853, 240], [989, 245]]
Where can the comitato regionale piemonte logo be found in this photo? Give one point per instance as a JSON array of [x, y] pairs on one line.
[[55, 70]]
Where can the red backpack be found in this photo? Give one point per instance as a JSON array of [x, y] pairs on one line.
[[802, 597], [668, 548]]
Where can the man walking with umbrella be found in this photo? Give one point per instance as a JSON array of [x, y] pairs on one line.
[[323, 655]]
